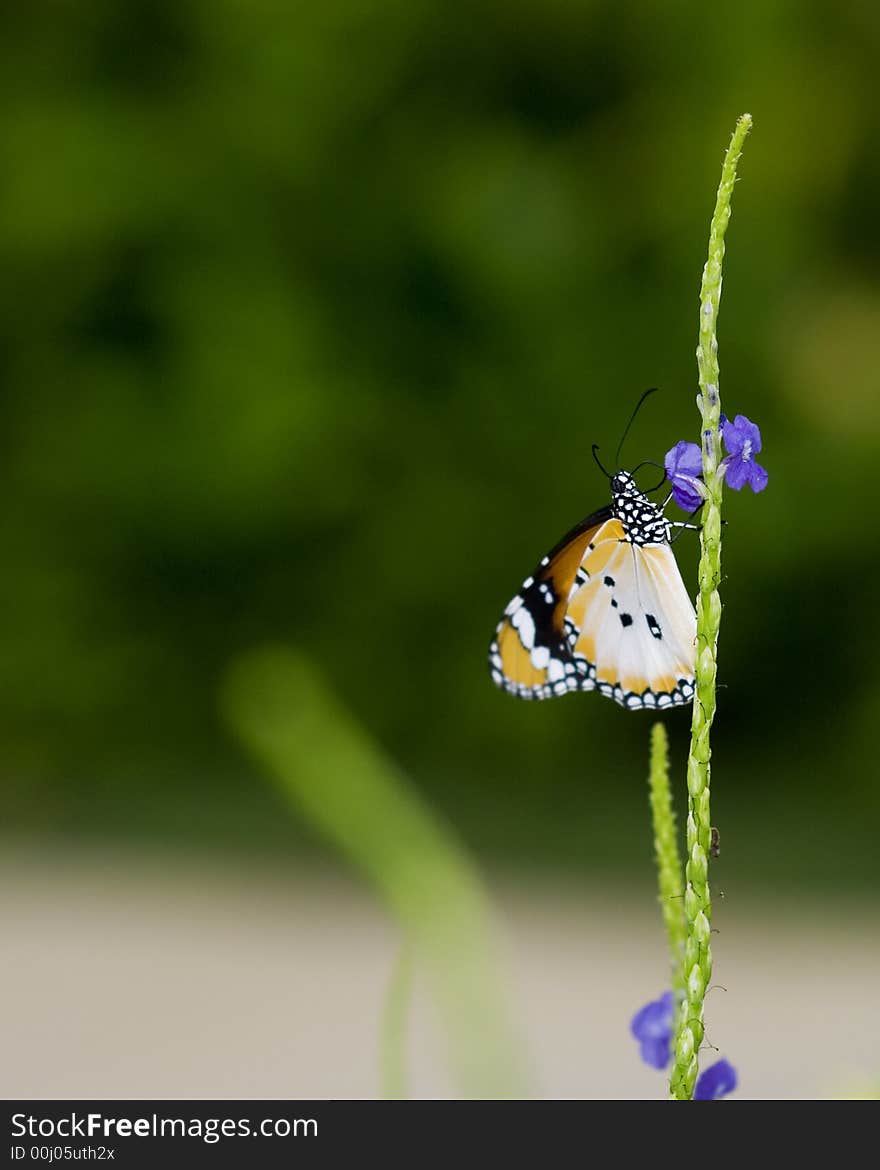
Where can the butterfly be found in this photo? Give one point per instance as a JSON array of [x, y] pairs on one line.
[[605, 610]]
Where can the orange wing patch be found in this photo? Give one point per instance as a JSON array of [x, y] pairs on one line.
[[516, 661]]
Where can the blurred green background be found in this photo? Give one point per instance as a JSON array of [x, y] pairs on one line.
[[310, 315]]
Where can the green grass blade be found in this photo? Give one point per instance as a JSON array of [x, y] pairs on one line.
[[331, 772]]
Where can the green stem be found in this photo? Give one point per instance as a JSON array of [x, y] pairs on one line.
[[393, 1042], [697, 902], [670, 880]]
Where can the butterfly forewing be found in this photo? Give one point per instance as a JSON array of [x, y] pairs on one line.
[[530, 655]]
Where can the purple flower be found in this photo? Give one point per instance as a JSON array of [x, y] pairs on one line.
[[652, 1027], [717, 1081], [684, 468], [742, 440]]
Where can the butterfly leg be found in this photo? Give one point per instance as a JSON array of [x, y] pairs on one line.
[[685, 526], [681, 529]]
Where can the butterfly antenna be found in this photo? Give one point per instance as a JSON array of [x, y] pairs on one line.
[[599, 461], [652, 463], [632, 419]]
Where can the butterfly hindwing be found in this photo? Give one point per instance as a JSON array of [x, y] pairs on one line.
[[600, 613], [633, 627]]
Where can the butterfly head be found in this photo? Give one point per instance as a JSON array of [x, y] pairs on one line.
[[623, 484]]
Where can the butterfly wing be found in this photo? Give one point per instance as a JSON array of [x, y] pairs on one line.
[[600, 613], [530, 655], [633, 627]]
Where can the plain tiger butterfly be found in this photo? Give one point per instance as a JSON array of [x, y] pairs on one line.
[[605, 610]]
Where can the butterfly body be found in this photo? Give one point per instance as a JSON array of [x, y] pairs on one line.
[[643, 522], [605, 610]]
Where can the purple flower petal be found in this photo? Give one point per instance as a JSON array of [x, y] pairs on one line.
[[758, 478], [654, 1019], [684, 466], [652, 1027], [684, 459], [749, 430], [732, 436], [655, 1052], [686, 493], [736, 472], [716, 1082], [738, 433]]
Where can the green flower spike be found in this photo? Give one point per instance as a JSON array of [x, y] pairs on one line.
[[697, 902]]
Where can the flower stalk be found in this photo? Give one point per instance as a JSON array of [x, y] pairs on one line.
[[697, 900], [670, 879]]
